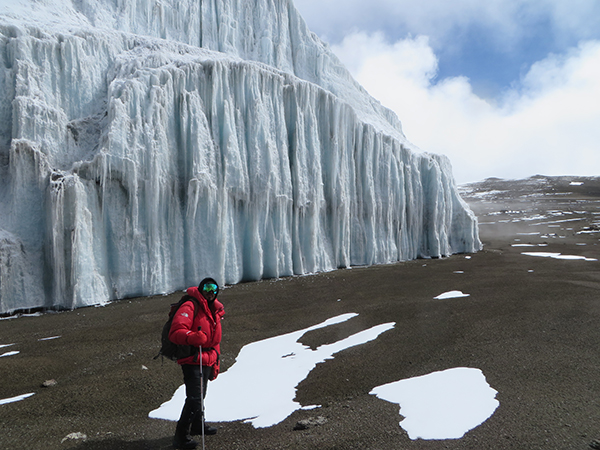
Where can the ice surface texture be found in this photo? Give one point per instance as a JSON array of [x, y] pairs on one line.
[[145, 145]]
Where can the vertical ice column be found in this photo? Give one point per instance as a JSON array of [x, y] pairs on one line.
[[77, 245]]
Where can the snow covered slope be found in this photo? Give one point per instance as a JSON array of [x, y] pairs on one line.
[[146, 144]]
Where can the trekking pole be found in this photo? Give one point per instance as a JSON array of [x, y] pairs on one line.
[[201, 392]]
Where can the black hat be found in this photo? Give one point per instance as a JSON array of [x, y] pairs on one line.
[[208, 281]]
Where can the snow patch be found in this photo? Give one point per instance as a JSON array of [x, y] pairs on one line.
[[260, 386], [441, 405], [558, 256], [18, 398], [451, 294]]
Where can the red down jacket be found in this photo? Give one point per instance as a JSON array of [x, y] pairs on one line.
[[184, 329]]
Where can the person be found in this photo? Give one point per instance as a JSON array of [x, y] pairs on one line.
[[197, 323]]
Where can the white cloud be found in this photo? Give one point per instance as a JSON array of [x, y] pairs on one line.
[[505, 20], [546, 124]]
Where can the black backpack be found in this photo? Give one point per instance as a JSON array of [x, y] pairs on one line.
[[168, 349]]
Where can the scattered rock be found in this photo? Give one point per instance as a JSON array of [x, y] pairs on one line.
[[49, 383], [310, 422], [144, 367], [74, 437]]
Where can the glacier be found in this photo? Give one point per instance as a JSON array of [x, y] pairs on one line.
[[145, 144]]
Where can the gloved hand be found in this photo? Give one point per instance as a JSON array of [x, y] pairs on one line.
[[215, 372], [197, 339]]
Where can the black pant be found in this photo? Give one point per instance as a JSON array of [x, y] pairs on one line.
[[195, 388]]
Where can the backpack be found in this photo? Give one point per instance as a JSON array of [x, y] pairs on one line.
[[169, 349]]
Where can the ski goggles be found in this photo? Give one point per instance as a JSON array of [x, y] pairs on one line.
[[210, 288]]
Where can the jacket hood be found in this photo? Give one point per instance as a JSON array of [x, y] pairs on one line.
[[195, 292]]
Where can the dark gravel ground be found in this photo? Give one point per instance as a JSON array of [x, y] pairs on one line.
[[530, 324]]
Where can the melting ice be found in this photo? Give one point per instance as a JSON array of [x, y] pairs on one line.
[[451, 294], [18, 398], [265, 397], [558, 256], [140, 152], [441, 405]]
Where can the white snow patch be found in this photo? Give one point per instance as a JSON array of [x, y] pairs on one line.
[[49, 338], [554, 222], [441, 405], [486, 194], [9, 354], [451, 294], [558, 256], [18, 398], [260, 387]]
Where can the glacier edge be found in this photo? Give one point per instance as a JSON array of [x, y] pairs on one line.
[[136, 166]]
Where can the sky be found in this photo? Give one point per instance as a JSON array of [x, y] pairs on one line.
[[504, 88]]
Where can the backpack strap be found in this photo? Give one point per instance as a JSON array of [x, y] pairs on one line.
[[196, 304], [185, 298]]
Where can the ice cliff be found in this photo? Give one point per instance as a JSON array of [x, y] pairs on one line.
[[146, 144]]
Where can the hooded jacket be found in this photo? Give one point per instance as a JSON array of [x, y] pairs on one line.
[[187, 323]]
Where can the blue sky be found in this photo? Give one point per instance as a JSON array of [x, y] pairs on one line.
[[506, 88]]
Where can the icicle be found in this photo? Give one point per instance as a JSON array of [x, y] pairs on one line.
[[139, 165]]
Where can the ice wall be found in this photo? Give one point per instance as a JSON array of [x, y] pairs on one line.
[[145, 145]]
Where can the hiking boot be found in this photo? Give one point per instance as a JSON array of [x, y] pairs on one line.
[[182, 439], [184, 442], [209, 431]]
